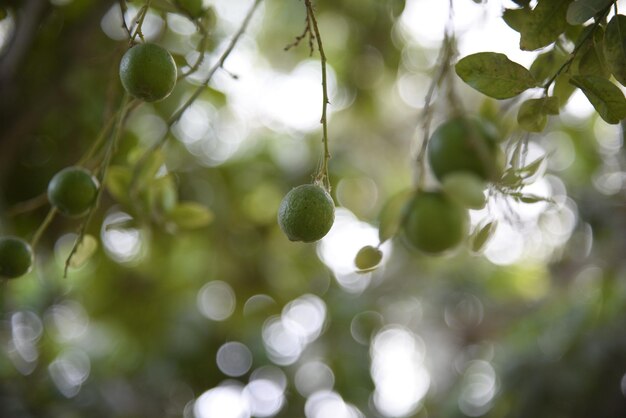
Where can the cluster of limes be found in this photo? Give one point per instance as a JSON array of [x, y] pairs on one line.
[[463, 154], [147, 72]]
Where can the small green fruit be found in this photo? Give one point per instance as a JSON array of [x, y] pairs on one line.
[[16, 257], [466, 189], [148, 72], [306, 213], [72, 191], [435, 224], [464, 145], [368, 258]]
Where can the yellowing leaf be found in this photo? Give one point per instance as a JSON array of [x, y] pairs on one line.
[[86, 248], [190, 215]]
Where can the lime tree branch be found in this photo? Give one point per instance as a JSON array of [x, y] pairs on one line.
[[117, 133], [563, 68], [322, 176], [177, 115]]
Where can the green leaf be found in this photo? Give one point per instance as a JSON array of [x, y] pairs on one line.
[[481, 236], [581, 11], [190, 215], [563, 89], [531, 169], [495, 75], [368, 258], [530, 198], [392, 214], [149, 168], [614, 47], [606, 97], [516, 18], [547, 64], [84, 251], [118, 182], [590, 58], [532, 114], [466, 189], [544, 25]]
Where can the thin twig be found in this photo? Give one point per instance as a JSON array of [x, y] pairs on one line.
[[101, 178], [200, 48], [322, 176], [28, 205], [123, 10], [177, 115], [42, 228]]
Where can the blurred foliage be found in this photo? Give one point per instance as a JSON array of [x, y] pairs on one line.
[[192, 258]]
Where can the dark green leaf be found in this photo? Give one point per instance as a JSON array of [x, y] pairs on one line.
[[615, 47], [606, 97], [516, 18], [563, 89], [581, 11], [590, 58], [532, 114], [495, 75], [545, 24]]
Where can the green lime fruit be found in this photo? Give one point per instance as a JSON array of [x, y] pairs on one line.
[[16, 257], [306, 213], [434, 223], [368, 258], [148, 72], [465, 145], [72, 191], [192, 7]]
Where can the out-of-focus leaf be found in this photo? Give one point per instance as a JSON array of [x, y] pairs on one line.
[[467, 189], [606, 97], [149, 168], [86, 248], [580, 11], [614, 47], [368, 258], [190, 215], [117, 181], [532, 114], [391, 214], [481, 236], [495, 75]]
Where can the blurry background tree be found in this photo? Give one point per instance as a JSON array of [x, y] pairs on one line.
[[185, 299]]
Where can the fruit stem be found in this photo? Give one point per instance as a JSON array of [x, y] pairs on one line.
[[42, 228], [322, 176], [117, 133], [200, 48], [139, 21], [446, 54]]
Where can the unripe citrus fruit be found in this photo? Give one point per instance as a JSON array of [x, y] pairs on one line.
[[16, 257], [434, 223], [464, 145], [368, 258], [72, 191], [148, 72], [306, 213]]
